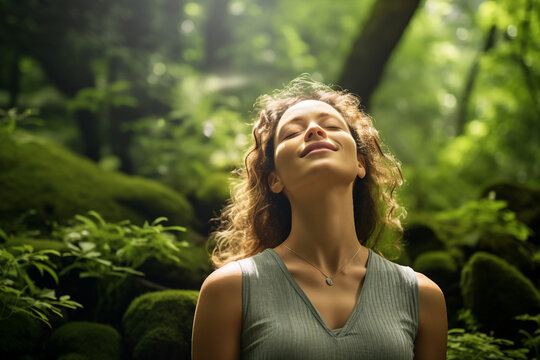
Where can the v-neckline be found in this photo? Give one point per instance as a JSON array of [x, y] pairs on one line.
[[354, 314]]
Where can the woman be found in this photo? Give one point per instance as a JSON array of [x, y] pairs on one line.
[[299, 273]]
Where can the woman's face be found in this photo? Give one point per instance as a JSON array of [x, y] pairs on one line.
[[313, 146]]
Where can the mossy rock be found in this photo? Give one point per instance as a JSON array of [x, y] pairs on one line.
[[513, 251], [85, 340], [21, 336], [439, 266], [160, 320], [420, 238], [496, 292], [194, 267], [56, 183]]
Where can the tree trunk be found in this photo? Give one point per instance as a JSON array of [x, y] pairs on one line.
[[461, 116], [216, 35], [372, 48]]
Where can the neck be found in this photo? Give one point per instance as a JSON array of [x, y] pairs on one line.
[[322, 228]]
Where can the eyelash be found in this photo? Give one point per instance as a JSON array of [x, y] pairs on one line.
[[296, 132]]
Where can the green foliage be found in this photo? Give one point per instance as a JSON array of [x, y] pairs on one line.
[[9, 119], [479, 219], [87, 340], [463, 345], [20, 294], [101, 249], [531, 341]]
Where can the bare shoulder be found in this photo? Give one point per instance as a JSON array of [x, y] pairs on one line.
[[223, 278], [429, 290], [218, 315], [430, 340]]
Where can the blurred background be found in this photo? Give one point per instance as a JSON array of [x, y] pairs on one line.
[[137, 110]]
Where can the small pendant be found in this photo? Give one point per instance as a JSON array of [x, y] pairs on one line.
[[329, 281]]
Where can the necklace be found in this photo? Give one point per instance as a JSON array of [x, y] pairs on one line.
[[329, 279]]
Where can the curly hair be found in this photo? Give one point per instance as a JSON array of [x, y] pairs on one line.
[[256, 218]]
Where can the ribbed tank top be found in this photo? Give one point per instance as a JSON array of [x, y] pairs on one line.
[[280, 322]]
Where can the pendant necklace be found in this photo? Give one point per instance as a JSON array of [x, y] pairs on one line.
[[329, 279]]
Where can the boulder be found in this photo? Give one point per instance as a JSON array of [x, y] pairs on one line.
[[158, 325], [85, 340], [55, 184], [496, 292], [21, 336]]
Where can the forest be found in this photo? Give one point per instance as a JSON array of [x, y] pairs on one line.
[[122, 123]]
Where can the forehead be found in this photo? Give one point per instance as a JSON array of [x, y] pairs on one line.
[[308, 108]]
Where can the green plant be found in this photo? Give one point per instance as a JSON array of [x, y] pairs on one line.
[[531, 341], [10, 118], [19, 293], [464, 345], [101, 249], [480, 218]]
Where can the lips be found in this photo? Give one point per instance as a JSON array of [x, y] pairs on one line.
[[318, 145]]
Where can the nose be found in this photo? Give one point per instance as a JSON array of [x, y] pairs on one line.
[[314, 131]]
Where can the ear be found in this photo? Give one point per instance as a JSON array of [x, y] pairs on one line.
[[275, 183], [361, 167]]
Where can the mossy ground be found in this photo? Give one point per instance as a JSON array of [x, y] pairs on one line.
[[57, 184]]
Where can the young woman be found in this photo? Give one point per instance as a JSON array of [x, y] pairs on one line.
[[299, 274]]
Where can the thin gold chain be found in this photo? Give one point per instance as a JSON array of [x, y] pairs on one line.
[[310, 263]]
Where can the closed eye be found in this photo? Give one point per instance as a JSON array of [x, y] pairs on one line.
[[290, 135]]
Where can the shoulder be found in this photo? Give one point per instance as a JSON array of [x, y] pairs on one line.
[[218, 315], [429, 291], [431, 337], [223, 281]]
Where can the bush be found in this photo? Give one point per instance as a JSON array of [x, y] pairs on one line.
[[160, 320], [76, 340], [496, 292]]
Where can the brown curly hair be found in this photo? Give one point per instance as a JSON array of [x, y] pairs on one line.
[[256, 218]]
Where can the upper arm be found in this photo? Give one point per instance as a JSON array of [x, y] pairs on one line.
[[432, 332], [218, 315]]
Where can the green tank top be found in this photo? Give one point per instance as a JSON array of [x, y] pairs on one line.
[[280, 322]]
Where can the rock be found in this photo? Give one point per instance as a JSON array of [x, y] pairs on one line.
[[160, 320], [21, 336], [85, 340], [439, 266], [496, 292], [56, 183]]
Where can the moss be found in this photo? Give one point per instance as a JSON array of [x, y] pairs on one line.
[[78, 340], [436, 262], [171, 312], [161, 343], [21, 335], [189, 274], [496, 292], [37, 174]]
